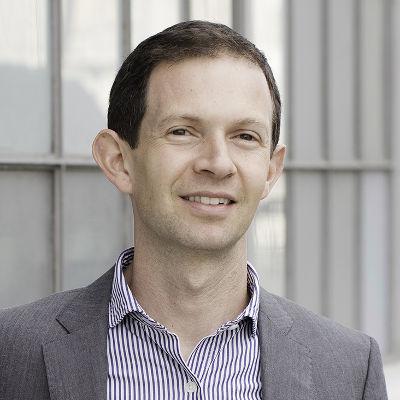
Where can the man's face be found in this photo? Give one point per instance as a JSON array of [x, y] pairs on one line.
[[205, 137]]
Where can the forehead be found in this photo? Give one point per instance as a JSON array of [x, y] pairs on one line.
[[223, 88]]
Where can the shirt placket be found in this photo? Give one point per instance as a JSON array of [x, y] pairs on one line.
[[169, 344], [209, 349]]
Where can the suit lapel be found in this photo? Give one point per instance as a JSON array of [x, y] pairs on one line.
[[76, 363], [285, 362]]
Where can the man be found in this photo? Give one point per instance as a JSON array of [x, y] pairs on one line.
[[192, 138]]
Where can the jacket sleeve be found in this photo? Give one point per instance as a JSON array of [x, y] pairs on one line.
[[375, 386]]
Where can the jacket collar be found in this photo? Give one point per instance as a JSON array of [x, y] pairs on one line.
[[77, 365], [285, 362]]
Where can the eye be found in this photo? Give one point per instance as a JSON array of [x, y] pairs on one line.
[[247, 137], [179, 132]]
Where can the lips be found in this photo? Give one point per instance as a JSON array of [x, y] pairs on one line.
[[210, 198], [206, 211], [214, 201]]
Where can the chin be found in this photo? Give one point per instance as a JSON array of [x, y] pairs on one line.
[[200, 237], [211, 243]]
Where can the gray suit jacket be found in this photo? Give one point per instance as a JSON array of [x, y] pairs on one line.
[[55, 349]]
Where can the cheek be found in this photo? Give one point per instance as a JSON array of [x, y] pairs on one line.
[[258, 186], [255, 174], [160, 171]]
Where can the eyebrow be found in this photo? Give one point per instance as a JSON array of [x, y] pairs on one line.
[[173, 117], [249, 121], [193, 118]]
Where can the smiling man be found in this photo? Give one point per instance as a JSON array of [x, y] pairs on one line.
[[192, 139]]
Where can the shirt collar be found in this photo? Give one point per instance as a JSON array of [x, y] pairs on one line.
[[250, 313], [123, 302]]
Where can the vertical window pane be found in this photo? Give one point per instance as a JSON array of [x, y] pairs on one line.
[[372, 75], [375, 256], [25, 237], [342, 56], [306, 238], [215, 11], [267, 32], [97, 226], [306, 73], [268, 234], [342, 252], [267, 240], [90, 60], [24, 77], [152, 16]]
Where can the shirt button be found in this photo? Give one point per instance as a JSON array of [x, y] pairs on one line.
[[233, 327], [190, 387]]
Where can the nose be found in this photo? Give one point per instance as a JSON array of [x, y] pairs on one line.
[[214, 158]]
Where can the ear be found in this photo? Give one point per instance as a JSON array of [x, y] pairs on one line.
[[111, 155], [275, 168]]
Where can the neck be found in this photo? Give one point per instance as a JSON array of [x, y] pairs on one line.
[[192, 293]]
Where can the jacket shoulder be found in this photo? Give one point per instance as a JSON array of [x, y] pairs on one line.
[[23, 330], [337, 353], [38, 319], [33, 322], [316, 330]]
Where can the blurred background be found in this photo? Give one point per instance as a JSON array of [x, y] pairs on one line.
[[328, 237]]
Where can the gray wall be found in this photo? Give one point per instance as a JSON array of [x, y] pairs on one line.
[[341, 174]]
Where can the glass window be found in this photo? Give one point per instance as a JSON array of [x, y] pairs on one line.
[[26, 272], [215, 11], [341, 265], [97, 226], [24, 77], [267, 240], [306, 238], [267, 32], [375, 256], [151, 16], [90, 60]]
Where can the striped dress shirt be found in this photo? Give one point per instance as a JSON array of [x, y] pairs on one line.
[[144, 361]]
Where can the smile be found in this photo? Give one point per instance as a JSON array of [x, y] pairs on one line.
[[214, 201]]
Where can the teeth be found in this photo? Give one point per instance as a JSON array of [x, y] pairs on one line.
[[205, 200], [208, 200]]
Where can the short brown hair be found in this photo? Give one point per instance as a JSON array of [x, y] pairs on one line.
[[185, 40]]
